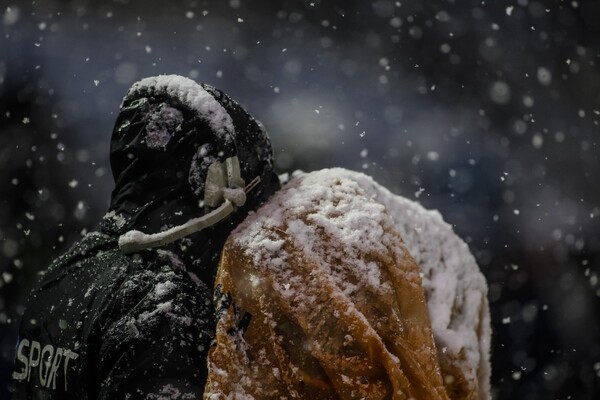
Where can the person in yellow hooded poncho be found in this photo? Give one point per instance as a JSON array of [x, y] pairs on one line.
[[338, 289]]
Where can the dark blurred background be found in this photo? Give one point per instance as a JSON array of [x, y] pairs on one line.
[[486, 110]]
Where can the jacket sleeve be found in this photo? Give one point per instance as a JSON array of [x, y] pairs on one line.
[[155, 338]]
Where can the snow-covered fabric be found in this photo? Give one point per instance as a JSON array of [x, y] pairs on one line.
[[455, 289], [337, 288]]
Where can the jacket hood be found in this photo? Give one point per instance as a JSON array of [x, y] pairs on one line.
[[170, 129]]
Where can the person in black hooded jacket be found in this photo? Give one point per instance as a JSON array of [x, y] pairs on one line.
[[127, 312]]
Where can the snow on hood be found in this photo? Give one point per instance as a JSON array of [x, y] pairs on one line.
[[191, 94]]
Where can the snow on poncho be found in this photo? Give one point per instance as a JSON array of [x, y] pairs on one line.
[[336, 288]]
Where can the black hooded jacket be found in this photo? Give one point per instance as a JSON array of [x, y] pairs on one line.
[[102, 324]]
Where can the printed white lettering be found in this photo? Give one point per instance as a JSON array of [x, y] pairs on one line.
[[47, 353], [19, 376], [69, 355], [52, 374], [47, 359], [33, 361]]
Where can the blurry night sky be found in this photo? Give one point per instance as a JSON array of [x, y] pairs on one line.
[[486, 110]]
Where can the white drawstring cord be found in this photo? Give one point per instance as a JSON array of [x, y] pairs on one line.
[[232, 197], [135, 241]]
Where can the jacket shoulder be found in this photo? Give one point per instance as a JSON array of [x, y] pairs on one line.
[[157, 328]]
